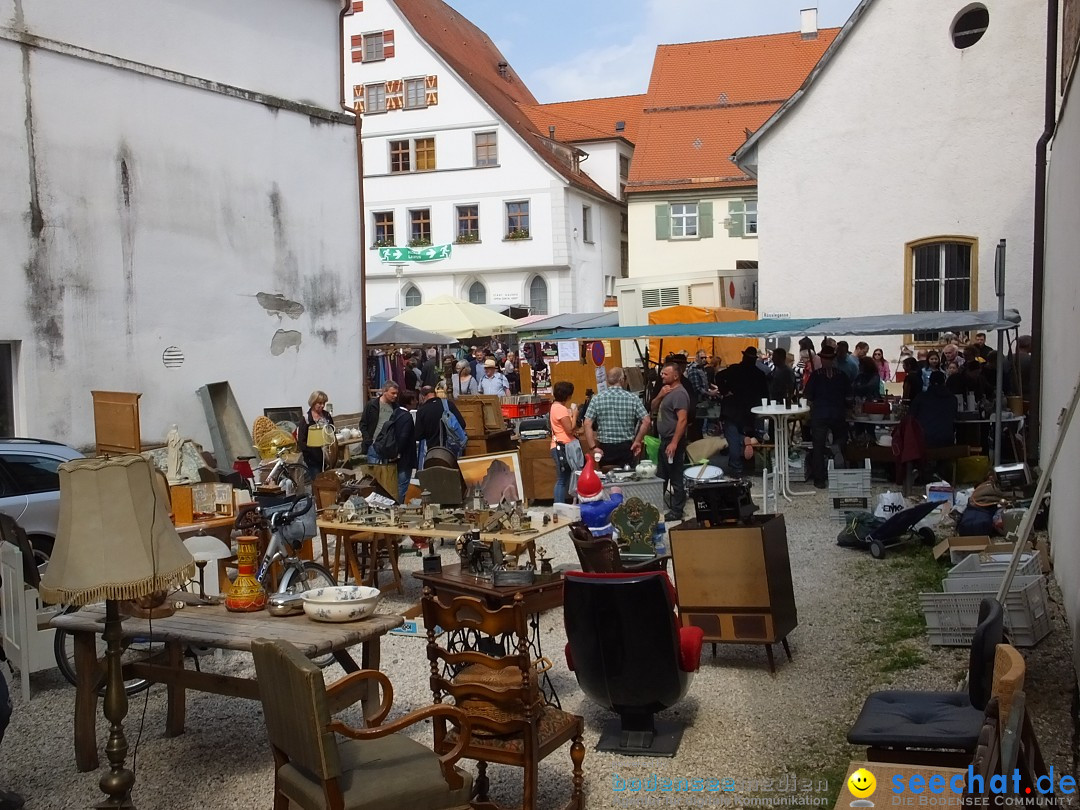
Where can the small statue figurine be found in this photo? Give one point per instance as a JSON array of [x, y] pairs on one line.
[[174, 459]]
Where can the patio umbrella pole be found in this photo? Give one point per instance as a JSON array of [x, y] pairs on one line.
[[999, 397]]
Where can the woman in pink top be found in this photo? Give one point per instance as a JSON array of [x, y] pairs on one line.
[[883, 370], [562, 433]]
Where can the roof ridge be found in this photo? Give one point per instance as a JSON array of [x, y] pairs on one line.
[[715, 106], [748, 36], [576, 122], [594, 98]]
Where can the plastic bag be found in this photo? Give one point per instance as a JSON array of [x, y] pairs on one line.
[[889, 503]]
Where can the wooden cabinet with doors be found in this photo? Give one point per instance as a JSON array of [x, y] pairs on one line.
[[537, 469]]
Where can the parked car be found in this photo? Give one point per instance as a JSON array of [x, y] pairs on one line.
[[30, 488]]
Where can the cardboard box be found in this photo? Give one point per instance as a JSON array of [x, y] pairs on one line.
[[959, 547]]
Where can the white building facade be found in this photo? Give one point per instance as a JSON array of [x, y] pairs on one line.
[[180, 206], [443, 165], [885, 185]]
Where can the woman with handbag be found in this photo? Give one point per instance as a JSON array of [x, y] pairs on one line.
[[315, 433], [562, 434]]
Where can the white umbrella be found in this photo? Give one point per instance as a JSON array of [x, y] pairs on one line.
[[459, 319]]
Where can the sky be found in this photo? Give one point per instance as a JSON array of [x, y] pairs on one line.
[[571, 49]]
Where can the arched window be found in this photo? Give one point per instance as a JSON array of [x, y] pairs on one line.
[[538, 296], [477, 293], [412, 296]]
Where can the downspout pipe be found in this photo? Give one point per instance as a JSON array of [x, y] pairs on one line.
[[1038, 252], [361, 269]]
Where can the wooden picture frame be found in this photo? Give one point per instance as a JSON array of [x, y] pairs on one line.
[[294, 414], [499, 475]]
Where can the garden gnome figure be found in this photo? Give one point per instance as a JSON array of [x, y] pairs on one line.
[[596, 505]]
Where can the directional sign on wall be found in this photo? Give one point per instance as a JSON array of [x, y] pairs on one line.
[[421, 254]]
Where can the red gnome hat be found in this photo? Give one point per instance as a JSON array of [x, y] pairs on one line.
[[589, 487]]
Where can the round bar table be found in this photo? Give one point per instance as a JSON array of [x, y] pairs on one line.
[[781, 417]]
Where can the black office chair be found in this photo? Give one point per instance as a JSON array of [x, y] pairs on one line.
[[934, 728], [630, 656]]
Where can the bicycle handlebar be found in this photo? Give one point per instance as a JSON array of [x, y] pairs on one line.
[[287, 516]]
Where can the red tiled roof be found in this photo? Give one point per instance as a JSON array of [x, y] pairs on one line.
[[761, 68], [590, 119], [473, 56], [703, 100]]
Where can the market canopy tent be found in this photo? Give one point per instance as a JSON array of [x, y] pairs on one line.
[[456, 318], [394, 333], [904, 323]]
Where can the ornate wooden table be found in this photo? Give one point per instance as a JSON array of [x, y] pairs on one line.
[[209, 626]]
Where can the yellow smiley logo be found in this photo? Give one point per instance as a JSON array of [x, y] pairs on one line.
[[862, 784]]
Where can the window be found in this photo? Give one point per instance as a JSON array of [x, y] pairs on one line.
[[684, 220], [477, 293], [375, 98], [970, 26], [624, 259], [412, 296], [586, 223], [468, 223], [624, 223], [942, 277], [419, 227], [415, 94], [425, 154], [384, 228], [538, 296], [373, 47], [624, 174], [742, 218], [487, 153], [31, 473], [517, 220], [400, 160]]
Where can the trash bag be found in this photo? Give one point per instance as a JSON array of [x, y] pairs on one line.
[[858, 527]]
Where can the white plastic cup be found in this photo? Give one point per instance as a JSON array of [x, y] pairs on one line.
[[802, 402], [765, 403]]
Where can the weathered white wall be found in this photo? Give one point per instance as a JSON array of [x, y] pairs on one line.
[[903, 137], [1061, 363], [649, 255], [152, 214], [573, 272], [602, 163]]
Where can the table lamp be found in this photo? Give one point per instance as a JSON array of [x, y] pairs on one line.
[[114, 542], [206, 548]]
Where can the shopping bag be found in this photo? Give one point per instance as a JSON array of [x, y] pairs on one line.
[[889, 503]]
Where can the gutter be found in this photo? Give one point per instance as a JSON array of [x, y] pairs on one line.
[[361, 270], [1038, 253]]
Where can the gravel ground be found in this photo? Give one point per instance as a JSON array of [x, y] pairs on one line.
[[741, 723]]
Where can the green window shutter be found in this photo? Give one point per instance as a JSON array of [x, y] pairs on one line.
[[735, 215], [704, 220], [663, 221]]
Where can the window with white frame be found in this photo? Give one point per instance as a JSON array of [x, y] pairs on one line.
[[477, 293], [486, 147], [375, 98], [415, 94], [684, 220], [942, 274], [742, 218], [412, 296], [468, 223], [517, 220], [419, 227], [538, 296], [383, 222]]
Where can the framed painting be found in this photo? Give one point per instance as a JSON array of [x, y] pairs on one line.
[[498, 474]]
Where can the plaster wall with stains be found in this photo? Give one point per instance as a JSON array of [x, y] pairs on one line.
[[139, 213]]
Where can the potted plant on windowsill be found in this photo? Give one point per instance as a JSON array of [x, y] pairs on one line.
[[419, 243], [518, 233], [381, 243], [469, 238]]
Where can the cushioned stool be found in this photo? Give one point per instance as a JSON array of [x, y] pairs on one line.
[[934, 728]]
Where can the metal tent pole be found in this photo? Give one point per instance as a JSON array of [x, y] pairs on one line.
[[999, 398]]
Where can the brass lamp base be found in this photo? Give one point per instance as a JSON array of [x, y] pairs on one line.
[[117, 783]]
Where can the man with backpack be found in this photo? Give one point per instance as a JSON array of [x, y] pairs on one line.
[[389, 436], [438, 424]]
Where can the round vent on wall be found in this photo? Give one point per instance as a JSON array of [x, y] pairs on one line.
[[970, 25], [172, 357]]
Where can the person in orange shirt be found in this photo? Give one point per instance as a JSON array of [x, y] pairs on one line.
[[562, 434]]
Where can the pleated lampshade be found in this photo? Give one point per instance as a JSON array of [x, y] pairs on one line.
[[114, 539]]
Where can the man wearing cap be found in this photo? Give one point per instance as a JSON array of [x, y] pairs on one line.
[[828, 390], [616, 421], [429, 429], [494, 382], [742, 386], [673, 405]]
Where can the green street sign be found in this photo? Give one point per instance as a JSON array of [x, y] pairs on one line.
[[432, 253]]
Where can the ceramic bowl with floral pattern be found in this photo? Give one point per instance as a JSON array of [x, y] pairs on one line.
[[342, 603]]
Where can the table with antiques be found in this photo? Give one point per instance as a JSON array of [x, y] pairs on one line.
[[544, 593], [781, 416], [207, 626]]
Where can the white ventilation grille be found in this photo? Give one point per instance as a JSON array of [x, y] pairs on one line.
[[650, 299], [669, 296], [660, 297], [172, 357]]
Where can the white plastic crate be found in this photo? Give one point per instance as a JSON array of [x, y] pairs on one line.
[[849, 490], [951, 617], [994, 565]]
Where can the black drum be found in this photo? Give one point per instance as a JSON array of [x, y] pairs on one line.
[[440, 457]]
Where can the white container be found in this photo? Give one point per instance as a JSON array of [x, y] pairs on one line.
[[341, 603], [567, 511]]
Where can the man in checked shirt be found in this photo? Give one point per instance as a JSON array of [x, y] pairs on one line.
[[616, 422]]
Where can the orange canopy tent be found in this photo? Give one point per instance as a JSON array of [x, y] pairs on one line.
[[728, 348]]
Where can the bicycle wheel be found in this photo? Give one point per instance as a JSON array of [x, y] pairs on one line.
[[306, 576], [134, 650]]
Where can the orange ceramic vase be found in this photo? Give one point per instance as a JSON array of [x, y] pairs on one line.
[[246, 594]]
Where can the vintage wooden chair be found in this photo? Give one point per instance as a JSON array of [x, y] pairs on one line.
[[376, 768], [510, 722], [601, 555]]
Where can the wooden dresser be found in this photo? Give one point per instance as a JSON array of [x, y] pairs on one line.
[[734, 582], [537, 469]]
